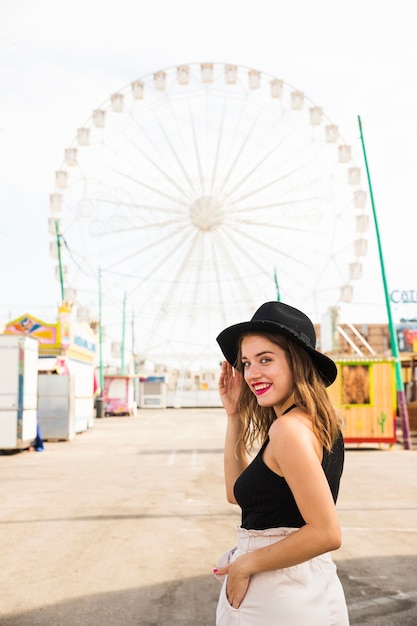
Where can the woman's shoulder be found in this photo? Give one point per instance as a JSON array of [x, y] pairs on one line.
[[294, 424], [294, 431]]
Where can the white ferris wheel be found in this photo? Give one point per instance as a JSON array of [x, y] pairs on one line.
[[200, 192]]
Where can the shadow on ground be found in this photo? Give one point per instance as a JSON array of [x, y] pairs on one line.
[[189, 602], [380, 592]]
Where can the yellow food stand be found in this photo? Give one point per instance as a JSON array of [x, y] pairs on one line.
[[364, 394]]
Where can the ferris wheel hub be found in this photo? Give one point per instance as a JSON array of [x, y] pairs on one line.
[[207, 213]]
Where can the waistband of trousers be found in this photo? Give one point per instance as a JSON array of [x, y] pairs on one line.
[[248, 540]]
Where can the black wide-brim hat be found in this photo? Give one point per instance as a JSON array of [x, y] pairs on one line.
[[281, 319]]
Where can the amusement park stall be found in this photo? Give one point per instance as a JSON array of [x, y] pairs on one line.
[[365, 395], [65, 372], [407, 342], [119, 394], [152, 392]]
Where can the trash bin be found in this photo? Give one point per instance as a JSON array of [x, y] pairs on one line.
[[99, 407]]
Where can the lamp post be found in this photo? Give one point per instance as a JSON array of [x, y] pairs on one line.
[[122, 364], [100, 334], [402, 403]]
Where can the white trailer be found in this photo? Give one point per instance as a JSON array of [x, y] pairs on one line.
[[18, 391]]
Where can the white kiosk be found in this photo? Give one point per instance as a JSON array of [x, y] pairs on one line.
[[18, 391]]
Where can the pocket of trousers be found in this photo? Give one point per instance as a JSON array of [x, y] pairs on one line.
[[224, 561]]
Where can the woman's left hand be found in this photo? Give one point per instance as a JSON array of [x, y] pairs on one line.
[[237, 581]]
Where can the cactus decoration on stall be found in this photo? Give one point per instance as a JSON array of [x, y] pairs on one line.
[[381, 421]]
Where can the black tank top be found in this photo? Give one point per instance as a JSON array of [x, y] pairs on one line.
[[265, 497]]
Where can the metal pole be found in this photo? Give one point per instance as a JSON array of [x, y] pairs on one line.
[[402, 403], [277, 285], [61, 273], [122, 364], [133, 341]]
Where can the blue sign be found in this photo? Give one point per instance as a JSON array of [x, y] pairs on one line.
[[404, 297]]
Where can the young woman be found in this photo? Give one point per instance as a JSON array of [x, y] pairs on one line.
[[273, 388]]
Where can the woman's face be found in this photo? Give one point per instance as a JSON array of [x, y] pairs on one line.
[[267, 371]]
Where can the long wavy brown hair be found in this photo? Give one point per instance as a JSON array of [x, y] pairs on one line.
[[309, 394]]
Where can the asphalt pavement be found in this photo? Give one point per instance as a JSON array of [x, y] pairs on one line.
[[123, 525]]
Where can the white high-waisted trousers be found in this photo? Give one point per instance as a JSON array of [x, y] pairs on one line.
[[309, 594]]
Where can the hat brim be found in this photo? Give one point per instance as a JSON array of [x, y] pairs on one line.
[[228, 341]]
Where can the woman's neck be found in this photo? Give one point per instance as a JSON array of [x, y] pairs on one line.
[[285, 407]]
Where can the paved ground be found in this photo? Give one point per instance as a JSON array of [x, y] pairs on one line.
[[123, 525]]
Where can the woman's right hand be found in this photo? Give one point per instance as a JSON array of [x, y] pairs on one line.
[[230, 384], [235, 459]]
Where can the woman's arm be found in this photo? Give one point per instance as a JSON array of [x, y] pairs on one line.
[[294, 449], [235, 458]]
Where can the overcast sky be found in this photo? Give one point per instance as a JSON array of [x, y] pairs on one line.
[[61, 60]]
